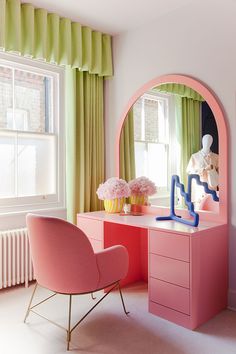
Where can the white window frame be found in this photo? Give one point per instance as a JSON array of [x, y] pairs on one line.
[[50, 201], [170, 145]]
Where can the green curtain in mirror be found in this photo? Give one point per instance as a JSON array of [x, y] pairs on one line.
[[85, 141], [180, 90], [127, 156], [36, 33], [188, 121], [188, 130]]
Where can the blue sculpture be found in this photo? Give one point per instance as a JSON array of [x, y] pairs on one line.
[[187, 198]]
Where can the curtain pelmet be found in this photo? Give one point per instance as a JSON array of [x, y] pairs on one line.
[[181, 90], [42, 35]]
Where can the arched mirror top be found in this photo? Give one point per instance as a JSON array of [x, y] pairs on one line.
[[215, 107]]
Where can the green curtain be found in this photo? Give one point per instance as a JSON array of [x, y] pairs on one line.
[[84, 140], [180, 90], [87, 55], [41, 35], [127, 156], [188, 128]]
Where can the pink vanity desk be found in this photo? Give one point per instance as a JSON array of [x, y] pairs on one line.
[[186, 267]]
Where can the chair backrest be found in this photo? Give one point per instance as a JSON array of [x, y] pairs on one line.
[[63, 258]]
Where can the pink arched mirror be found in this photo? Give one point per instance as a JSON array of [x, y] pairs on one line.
[[221, 128]]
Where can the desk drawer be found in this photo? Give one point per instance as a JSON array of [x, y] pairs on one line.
[[169, 245], [169, 295], [170, 270], [91, 227]]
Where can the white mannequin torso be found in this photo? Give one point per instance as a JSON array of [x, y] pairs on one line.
[[201, 163]]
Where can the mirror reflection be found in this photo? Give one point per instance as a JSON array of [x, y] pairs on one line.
[[170, 130]]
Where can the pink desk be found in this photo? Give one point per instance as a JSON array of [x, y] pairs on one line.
[[186, 267]]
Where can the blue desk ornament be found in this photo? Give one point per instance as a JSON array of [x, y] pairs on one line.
[[187, 198]]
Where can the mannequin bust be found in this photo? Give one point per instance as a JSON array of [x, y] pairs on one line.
[[205, 163], [207, 141]]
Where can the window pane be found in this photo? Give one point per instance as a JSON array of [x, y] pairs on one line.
[[7, 163], [29, 135], [137, 113], [158, 164], [151, 120], [151, 160], [163, 135], [32, 102], [140, 159], [5, 97], [36, 164]]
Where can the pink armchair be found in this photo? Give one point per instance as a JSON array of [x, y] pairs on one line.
[[64, 262]]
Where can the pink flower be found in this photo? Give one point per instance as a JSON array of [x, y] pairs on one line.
[[113, 188], [142, 186]]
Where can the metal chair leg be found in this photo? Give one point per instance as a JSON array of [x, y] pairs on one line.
[[69, 324], [122, 300], [31, 299], [93, 297], [69, 330]]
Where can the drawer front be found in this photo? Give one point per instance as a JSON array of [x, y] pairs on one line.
[[170, 270], [169, 245], [97, 245], [169, 295], [91, 227]]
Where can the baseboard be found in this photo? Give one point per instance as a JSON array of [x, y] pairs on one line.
[[232, 300], [231, 308]]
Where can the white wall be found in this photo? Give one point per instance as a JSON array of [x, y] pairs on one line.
[[199, 41]]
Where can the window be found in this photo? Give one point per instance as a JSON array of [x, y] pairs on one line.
[[152, 131], [30, 139]]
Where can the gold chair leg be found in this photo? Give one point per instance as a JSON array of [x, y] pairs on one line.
[[31, 299], [69, 330], [69, 324], [91, 309], [93, 297], [122, 300]]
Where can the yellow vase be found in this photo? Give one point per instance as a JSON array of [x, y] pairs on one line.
[[138, 199], [114, 205]]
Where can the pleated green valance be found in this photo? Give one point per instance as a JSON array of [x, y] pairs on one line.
[[181, 90], [42, 35]]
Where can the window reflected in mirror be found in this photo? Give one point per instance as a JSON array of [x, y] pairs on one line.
[[161, 133]]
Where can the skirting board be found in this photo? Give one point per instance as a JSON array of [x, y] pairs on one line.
[[232, 299]]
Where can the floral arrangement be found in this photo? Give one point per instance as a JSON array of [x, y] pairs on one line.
[[142, 186], [113, 188]]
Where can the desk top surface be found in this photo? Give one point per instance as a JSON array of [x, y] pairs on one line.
[[149, 222]]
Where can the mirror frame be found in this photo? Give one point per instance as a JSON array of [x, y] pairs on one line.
[[220, 118]]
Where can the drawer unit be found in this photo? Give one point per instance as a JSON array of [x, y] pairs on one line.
[[91, 227], [169, 244], [170, 270], [186, 267], [169, 295]]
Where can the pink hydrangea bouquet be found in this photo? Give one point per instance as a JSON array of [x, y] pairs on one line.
[[142, 186], [113, 188]]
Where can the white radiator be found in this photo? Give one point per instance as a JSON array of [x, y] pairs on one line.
[[15, 259]]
